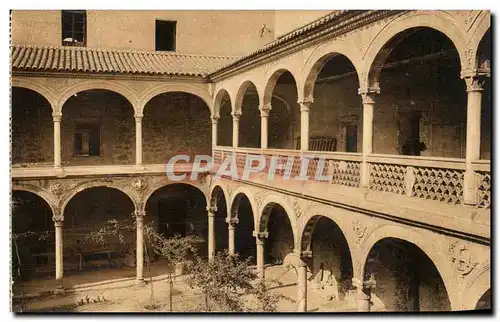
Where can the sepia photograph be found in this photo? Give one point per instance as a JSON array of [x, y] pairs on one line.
[[251, 161]]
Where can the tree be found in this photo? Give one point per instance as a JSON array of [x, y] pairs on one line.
[[230, 285]]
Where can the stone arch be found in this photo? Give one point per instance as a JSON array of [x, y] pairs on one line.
[[36, 87], [271, 80], [479, 30], [169, 88], [218, 101], [394, 32], [320, 56], [242, 88], [116, 87], [95, 184], [236, 199], [424, 243], [149, 192], [47, 197], [213, 192], [265, 213], [476, 285]]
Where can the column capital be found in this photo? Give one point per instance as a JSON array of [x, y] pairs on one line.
[[232, 221], [138, 117], [211, 209], [260, 234], [58, 220], [305, 104], [306, 254], [369, 284], [474, 82], [265, 109], [236, 115], [57, 116], [140, 213], [215, 119], [368, 94]]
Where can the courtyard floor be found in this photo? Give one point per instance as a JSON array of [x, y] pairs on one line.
[[117, 287]]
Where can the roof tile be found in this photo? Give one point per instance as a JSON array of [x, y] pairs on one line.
[[79, 59]]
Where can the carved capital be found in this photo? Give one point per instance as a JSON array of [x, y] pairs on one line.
[[305, 105], [58, 221], [260, 234], [236, 115], [368, 94], [211, 209], [139, 214], [56, 117], [474, 82], [264, 110], [306, 254], [365, 285], [232, 221], [138, 118], [215, 119]]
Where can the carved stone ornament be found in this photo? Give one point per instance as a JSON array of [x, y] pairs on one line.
[[56, 189], [462, 258], [359, 230], [139, 184], [230, 190]]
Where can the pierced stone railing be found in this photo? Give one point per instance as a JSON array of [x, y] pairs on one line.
[[483, 180], [440, 179], [343, 167]]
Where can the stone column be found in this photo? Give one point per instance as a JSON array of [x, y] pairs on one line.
[[57, 139], [304, 124], [215, 120], [368, 97], [302, 282], [264, 125], [473, 140], [231, 226], [58, 223], [364, 291], [138, 139], [236, 128], [259, 239], [139, 215], [211, 231]]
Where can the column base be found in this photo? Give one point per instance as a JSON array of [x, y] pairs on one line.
[[139, 282], [59, 290]]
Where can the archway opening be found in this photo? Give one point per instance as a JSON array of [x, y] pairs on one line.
[[280, 241], [421, 110], [32, 128], [89, 212], [180, 209], [33, 246], [406, 278], [484, 61], [225, 124], [284, 118], [176, 123], [244, 240], [249, 135], [97, 128], [331, 265], [335, 118], [484, 302], [220, 225]]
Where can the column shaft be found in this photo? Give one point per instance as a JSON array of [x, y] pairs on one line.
[[140, 248], [236, 129], [264, 126], [368, 96], [302, 287], [260, 258], [214, 130], [231, 246], [211, 235], [58, 223], [304, 125], [138, 140], [57, 139]]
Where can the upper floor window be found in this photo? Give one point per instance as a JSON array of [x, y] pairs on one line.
[[165, 35], [74, 27], [87, 137]]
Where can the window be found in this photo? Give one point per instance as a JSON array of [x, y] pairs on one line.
[[87, 138], [74, 27], [351, 139], [165, 35]]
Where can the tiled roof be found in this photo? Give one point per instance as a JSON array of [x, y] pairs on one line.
[[79, 59]]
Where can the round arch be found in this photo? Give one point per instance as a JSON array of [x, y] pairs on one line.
[[147, 195], [34, 86], [425, 244], [480, 28], [240, 95], [438, 20], [218, 100], [170, 88], [236, 199], [213, 194], [116, 87], [271, 80], [95, 184], [40, 193], [476, 285], [265, 213], [320, 56]]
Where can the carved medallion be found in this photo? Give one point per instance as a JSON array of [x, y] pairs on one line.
[[359, 230], [56, 189], [139, 184], [462, 258]]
